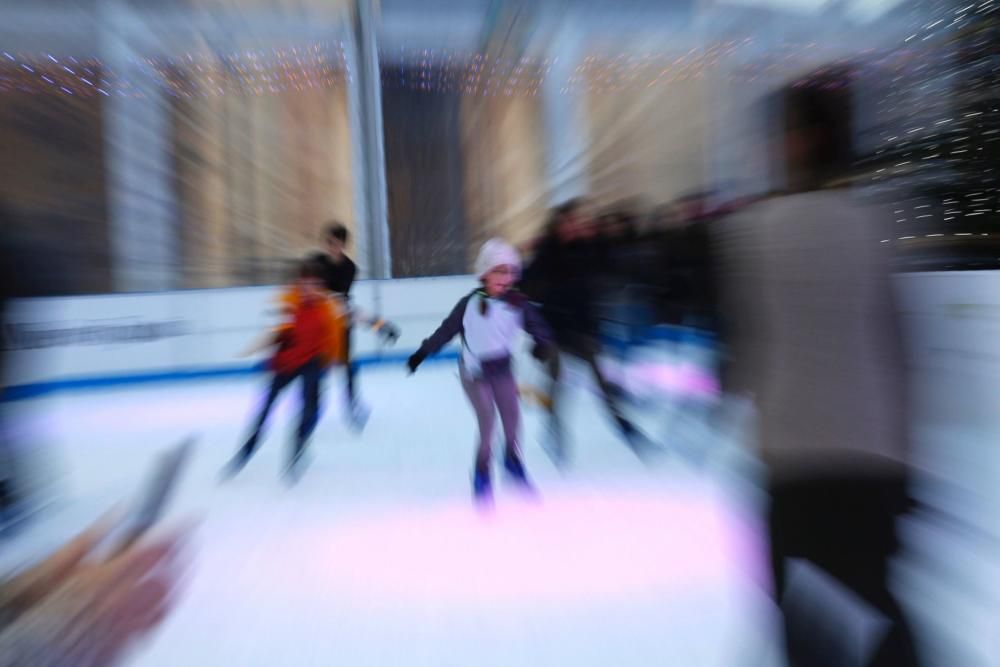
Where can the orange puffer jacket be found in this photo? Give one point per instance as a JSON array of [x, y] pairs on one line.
[[333, 316]]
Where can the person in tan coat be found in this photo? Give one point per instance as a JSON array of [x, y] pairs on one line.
[[817, 348]]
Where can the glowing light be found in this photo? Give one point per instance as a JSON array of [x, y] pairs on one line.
[[526, 553]]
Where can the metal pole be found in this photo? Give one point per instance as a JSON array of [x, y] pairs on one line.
[[372, 146]]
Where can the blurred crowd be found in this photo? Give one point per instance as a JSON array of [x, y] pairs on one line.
[[622, 266], [797, 289]]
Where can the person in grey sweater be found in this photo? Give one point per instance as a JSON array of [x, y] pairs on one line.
[[818, 348], [489, 320]]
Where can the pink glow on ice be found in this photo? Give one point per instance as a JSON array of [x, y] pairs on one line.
[[570, 549], [682, 379]]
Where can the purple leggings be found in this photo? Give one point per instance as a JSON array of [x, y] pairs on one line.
[[490, 393]]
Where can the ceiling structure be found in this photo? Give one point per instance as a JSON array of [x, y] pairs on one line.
[[162, 29]]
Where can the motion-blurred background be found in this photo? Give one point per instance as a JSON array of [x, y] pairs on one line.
[[153, 146], [164, 165]]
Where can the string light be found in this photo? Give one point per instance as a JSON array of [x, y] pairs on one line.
[[935, 121], [267, 72], [484, 74]]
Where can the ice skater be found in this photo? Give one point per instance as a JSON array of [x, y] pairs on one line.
[[488, 321], [561, 278], [338, 272], [305, 345]]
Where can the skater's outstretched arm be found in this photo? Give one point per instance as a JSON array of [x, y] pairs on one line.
[[265, 342], [451, 327], [388, 331]]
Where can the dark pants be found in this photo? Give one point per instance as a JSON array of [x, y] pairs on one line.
[[349, 368], [10, 477], [846, 526], [310, 374], [584, 349]]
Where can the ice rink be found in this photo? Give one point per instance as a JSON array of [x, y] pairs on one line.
[[378, 556]]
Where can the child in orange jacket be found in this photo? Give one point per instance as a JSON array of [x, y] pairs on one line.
[[305, 345]]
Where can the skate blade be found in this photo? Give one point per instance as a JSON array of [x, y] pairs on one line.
[[557, 455], [524, 493], [485, 504], [646, 450], [293, 472], [359, 420], [231, 470]]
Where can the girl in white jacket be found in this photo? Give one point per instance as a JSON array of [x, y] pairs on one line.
[[489, 319]]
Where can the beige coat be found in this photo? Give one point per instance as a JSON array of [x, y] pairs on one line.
[[816, 340]]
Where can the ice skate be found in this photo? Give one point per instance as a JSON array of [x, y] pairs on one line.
[[554, 445], [637, 441], [235, 465], [482, 489], [517, 475], [293, 471], [358, 415]]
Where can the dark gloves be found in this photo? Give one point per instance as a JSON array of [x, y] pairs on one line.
[[541, 351], [414, 361], [389, 333]]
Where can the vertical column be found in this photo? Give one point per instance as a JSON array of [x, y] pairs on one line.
[[142, 204], [564, 108], [359, 179], [365, 101], [200, 177]]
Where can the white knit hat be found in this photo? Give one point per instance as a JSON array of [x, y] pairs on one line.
[[494, 253]]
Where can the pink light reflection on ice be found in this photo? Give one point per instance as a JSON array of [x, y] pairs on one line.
[[683, 379], [576, 548]]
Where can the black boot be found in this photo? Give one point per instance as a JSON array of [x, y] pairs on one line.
[[636, 440], [515, 472], [7, 507], [482, 487], [554, 444], [236, 464], [358, 414], [296, 466]]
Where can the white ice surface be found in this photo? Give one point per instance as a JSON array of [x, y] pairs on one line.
[[377, 556]]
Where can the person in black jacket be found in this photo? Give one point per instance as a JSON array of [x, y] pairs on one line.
[[339, 269], [339, 272], [560, 279], [488, 320]]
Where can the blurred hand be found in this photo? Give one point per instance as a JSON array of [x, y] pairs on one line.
[[249, 351], [389, 333], [29, 587], [71, 612], [414, 362]]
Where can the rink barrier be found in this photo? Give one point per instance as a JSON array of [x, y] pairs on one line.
[[25, 391], [90, 342], [20, 392], [38, 389]]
